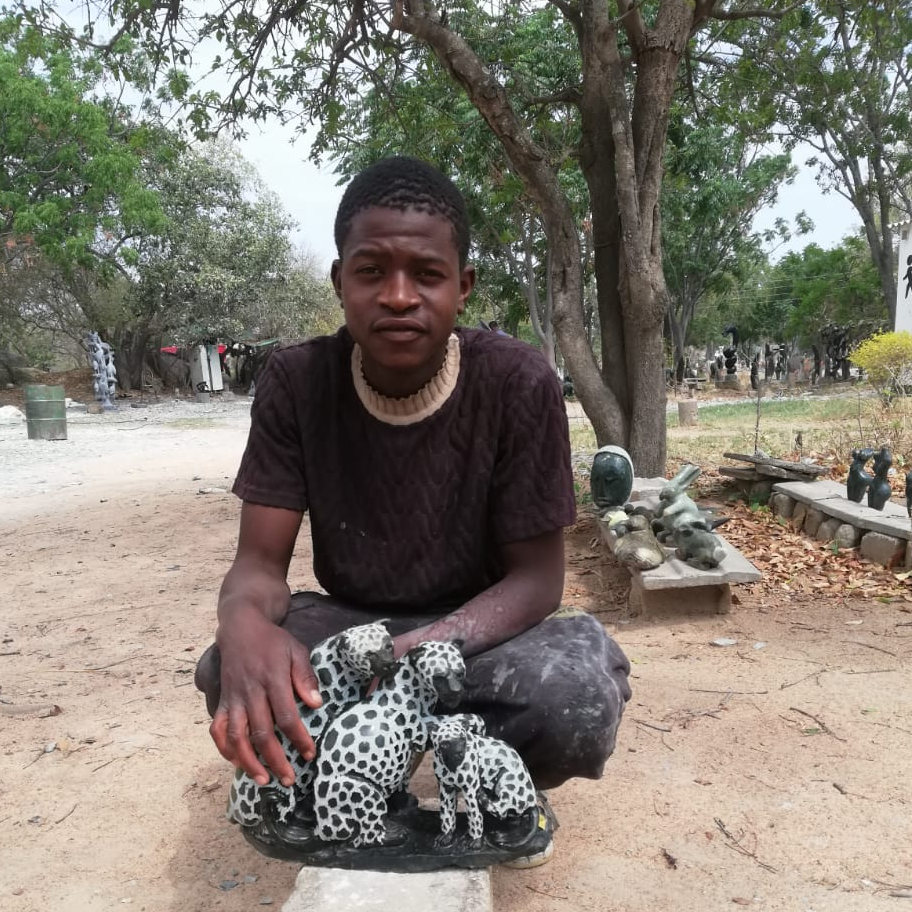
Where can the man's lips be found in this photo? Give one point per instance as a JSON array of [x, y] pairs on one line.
[[399, 330], [398, 326]]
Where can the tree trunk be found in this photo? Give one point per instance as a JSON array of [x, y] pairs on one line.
[[130, 348], [621, 156]]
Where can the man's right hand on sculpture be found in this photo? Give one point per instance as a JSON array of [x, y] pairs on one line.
[[262, 666]]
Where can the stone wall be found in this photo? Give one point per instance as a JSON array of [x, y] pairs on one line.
[[821, 510]]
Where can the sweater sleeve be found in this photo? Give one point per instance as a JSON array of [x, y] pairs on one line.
[[532, 490], [272, 467]]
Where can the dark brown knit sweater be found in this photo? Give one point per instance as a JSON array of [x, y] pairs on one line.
[[411, 515]]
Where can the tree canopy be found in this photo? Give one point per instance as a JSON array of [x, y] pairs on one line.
[[70, 179], [836, 75], [313, 60]]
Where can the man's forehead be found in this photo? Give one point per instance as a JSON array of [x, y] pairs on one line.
[[380, 226]]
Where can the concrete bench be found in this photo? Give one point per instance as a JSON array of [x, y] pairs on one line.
[[334, 890], [675, 585], [821, 509]]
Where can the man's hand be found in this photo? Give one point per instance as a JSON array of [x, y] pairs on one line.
[[262, 667]]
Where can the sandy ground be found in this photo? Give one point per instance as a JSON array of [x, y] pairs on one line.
[[772, 774]]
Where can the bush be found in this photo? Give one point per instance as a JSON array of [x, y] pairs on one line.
[[887, 360]]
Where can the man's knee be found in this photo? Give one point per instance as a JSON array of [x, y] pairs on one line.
[[207, 677]]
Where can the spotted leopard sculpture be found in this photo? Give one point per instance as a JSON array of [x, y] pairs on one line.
[[366, 753], [489, 774], [344, 664]]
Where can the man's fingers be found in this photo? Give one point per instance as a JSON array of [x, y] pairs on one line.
[[306, 684], [230, 737]]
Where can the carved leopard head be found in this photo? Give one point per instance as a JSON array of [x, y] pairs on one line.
[[440, 666], [449, 739], [368, 649]]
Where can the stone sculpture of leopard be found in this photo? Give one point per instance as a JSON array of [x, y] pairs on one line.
[[366, 753], [489, 773], [344, 664]]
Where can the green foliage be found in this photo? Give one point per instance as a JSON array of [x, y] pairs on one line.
[[886, 358], [70, 176], [836, 74], [715, 184]]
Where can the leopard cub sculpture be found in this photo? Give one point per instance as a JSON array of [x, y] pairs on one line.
[[344, 664], [489, 774], [366, 754]]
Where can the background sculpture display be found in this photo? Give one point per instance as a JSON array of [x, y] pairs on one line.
[[104, 373], [876, 484], [879, 489], [640, 533], [730, 352], [858, 479], [351, 807]]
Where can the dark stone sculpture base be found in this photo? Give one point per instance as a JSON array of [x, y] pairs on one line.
[[418, 829]]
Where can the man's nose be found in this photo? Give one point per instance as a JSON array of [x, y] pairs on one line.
[[399, 291]]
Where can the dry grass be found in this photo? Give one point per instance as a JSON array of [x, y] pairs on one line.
[[823, 428]]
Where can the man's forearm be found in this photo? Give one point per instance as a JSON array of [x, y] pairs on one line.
[[251, 589], [494, 616], [528, 593]]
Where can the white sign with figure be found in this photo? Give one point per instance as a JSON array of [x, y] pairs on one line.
[[903, 319]]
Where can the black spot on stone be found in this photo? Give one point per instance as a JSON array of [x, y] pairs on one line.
[[348, 721], [329, 740], [347, 739], [380, 740]]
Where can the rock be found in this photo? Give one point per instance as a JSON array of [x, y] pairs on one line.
[[847, 536], [782, 505], [798, 515], [812, 521], [826, 531], [882, 549], [9, 414]]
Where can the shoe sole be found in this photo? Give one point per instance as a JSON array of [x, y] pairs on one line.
[[530, 861]]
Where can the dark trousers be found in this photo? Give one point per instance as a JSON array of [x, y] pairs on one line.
[[556, 692]]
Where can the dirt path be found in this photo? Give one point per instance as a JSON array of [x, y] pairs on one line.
[[771, 774]]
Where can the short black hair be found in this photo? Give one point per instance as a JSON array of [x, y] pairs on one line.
[[402, 182]]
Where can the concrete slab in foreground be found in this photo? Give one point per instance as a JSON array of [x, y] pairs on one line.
[[334, 890]]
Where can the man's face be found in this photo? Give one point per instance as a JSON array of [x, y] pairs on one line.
[[401, 288]]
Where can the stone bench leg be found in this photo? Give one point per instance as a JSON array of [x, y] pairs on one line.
[[715, 598]]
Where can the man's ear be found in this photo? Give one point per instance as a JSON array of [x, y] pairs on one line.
[[466, 284], [335, 276]]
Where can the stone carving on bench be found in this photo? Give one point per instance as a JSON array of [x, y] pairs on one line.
[[879, 489], [877, 483], [351, 807], [681, 522], [909, 493], [636, 544], [697, 546], [858, 479], [611, 477]]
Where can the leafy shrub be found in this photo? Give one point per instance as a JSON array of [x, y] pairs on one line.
[[886, 358]]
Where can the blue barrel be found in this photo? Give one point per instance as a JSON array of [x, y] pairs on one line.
[[45, 412]]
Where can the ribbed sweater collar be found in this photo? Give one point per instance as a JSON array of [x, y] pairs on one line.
[[418, 406]]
